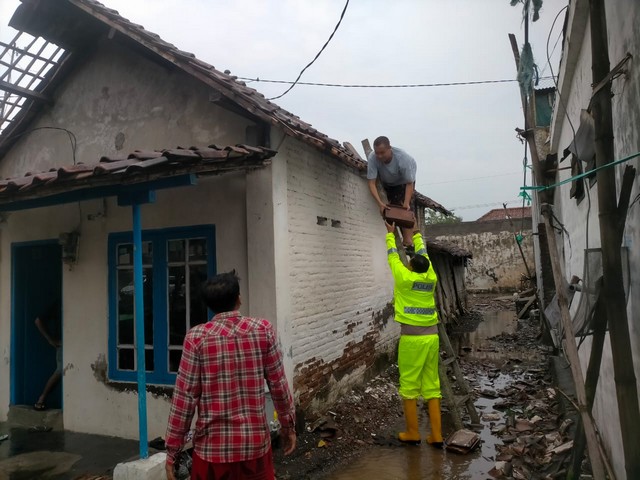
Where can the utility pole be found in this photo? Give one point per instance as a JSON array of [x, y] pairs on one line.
[[611, 231]]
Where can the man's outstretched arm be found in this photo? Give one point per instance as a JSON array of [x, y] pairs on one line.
[[408, 195], [376, 196]]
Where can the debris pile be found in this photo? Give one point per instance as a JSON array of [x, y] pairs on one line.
[[523, 410], [355, 422]]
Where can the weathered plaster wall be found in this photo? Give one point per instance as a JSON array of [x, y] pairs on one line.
[[496, 265], [340, 283], [580, 218], [119, 98]]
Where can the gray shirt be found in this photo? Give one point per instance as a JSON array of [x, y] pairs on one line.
[[400, 171]]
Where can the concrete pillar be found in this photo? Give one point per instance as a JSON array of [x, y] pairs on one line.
[[268, 251]]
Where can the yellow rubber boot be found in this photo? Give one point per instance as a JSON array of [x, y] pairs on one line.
[[412, 435], [435, 439]]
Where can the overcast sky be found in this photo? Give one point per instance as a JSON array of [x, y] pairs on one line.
[[462, 137]]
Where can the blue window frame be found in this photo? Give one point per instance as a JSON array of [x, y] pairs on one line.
[[176, 261]]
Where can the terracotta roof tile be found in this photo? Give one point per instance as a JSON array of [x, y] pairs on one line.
[[108, 167], [135, 169], [501, 214]]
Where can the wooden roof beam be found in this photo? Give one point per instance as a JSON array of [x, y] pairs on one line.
[[23, 92]]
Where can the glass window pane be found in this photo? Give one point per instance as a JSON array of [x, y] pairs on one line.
[[148, 360], [177, 305], [197, 307], [125, 359], [147, 253], [174, 360], [175, 250], [197, 249], [125, 306], [125, 254]]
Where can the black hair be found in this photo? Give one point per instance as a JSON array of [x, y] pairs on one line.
[[221, 292], [381, 141], [419, 263]]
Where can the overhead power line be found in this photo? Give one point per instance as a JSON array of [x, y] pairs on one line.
[[351, 85], [468, 179], [464, 207], [344, 10]]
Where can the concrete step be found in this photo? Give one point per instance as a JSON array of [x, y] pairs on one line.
[[26, 416]]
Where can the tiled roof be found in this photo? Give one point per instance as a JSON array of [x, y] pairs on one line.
[[447, 247], [229, 86], [137, 167], [502, 214]]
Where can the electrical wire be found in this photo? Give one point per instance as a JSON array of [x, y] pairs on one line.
[[344, 10], [72, 137], [548, 64], [406, 85], [464, 207], [468, 179], [524, 182], [573, 130]]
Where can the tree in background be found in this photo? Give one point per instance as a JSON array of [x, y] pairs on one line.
[[432, 217]]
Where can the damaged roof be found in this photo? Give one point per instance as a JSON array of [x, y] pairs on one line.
[[136, 168], [76, 24]]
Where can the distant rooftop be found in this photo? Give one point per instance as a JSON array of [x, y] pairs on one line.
[[502, 214]]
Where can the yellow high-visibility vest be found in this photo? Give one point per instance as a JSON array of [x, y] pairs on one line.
[[414, 293]]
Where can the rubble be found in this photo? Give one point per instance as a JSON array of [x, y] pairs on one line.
[[536, 438], [519, 407]]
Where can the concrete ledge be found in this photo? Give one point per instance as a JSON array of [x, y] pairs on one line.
[[151, 468]]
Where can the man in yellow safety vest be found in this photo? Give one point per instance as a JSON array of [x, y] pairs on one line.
[[419, 348]]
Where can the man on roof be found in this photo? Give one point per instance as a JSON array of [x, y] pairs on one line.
[[396, 170]]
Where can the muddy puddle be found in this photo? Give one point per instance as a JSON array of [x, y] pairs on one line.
[[427, 463]]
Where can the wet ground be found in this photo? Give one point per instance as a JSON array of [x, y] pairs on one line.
[[500, 357], [507, 369], [60, 455], [428, 463]]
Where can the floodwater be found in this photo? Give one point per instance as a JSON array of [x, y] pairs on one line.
[[59, 455], [427, 463]]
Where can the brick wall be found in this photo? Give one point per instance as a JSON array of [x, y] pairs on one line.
[[341, 321]]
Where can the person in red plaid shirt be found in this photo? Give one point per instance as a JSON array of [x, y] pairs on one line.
[[222, 371]]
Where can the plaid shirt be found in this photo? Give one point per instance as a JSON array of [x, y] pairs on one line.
[[222, 371]]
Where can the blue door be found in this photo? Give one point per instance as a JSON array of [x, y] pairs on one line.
[[36, 292]]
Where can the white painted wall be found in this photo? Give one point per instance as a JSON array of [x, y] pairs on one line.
[[338, 275], [623, 17]]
